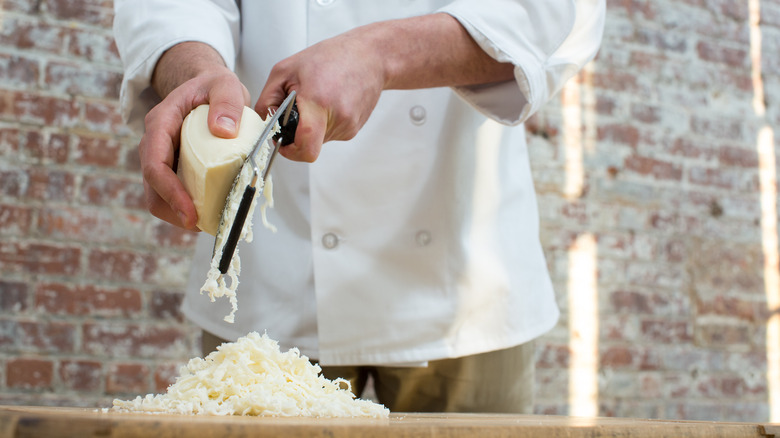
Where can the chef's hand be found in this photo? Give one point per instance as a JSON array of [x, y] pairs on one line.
[[338, 82], [188, 75]]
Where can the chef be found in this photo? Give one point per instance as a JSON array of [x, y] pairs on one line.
[[407, 244]]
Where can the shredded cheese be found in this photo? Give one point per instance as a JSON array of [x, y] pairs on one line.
[[253, 377], [216, 285]]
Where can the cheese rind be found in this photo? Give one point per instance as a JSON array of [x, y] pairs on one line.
[[208, 164]]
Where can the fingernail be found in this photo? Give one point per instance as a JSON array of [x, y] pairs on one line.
[[182, 218], [227, 123]]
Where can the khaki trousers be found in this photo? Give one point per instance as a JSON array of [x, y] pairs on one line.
[[497, 382]]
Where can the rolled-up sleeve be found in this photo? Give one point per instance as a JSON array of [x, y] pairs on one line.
[[547, 41], [145, 29]]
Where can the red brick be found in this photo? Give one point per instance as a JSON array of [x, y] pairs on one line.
[[738, 157], [12, 182], [724, 336], [171, 236], [684, 147], [730, 306], [719, 128], [104, 117], [617, 357], [661, 39], [632, 302], [87, 224], [31, 35], [164, 376], [9, 141], [732, 57], [96, 151], [39, 258], [147, 341], [553, 356], [47, 184], [46, 337], [38, 109], [642, 8], [166, 306], [113, 191], [87, 300], [620, 133], [93, 46], [53, 149], [646, 113], [724, 178], [536, 125], [14, 297], [611, 79], [18, 72], [94, 12], [128, 378], [82, 80], [15, 220], [20, 6], [29, 373], [9, 338], [666, 331], [81, 375], [658, 169], [122, 265]]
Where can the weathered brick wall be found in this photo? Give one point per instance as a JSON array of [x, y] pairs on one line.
[[664, 128], [89, 281], [651, 155]]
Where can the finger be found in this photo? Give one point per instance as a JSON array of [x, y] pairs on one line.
[[157, 158], [272, 96], [310, 134], [162, 210], [227, 100]]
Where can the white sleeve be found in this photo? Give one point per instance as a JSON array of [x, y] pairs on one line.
[[548, 42], [145, 29]]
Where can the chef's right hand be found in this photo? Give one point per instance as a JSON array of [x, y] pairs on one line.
[[207, 83]]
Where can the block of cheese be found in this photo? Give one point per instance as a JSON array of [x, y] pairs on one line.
[[252, 376], [208, 164]]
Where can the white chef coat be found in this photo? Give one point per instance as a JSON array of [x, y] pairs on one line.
[[418, 239]]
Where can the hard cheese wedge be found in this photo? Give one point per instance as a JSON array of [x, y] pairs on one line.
[[208, 164]]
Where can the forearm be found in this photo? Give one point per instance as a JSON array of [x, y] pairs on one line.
[[183, 62], [432, 51]]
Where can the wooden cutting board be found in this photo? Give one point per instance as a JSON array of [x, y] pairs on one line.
[[44, 422]]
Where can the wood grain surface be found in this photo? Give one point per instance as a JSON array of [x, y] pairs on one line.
[[47, 422]]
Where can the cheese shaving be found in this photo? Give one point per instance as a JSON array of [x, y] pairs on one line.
[[216, 285], [253, 377]]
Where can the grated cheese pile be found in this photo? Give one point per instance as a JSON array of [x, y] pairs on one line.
[[253, 377]]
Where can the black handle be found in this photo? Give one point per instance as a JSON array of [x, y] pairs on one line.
[[235, 230], [287, 133]]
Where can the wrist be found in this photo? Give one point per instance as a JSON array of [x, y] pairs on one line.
[[183, 62]]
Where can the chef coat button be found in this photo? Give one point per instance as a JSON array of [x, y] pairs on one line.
[[417, 114], [324, 2], [330, 241], [423, 238]]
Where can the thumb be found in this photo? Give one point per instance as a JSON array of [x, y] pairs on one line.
[[226, 105], [309, 135]]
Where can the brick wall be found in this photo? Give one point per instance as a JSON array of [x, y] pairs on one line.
[[88, 299], [652, 154]]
